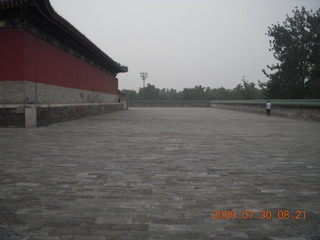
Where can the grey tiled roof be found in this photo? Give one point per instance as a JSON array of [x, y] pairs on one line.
[[47, 12], [10, 3]]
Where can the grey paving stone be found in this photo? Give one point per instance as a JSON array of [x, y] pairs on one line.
[[159, 173]]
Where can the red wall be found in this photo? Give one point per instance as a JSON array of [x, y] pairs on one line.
[[24, 57], [11, 56]]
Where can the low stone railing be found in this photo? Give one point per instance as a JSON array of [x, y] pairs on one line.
[[295, 109], [168, 103]]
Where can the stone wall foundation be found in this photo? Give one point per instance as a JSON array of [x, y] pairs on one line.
[[30, 115]]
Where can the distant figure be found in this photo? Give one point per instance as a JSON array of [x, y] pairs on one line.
[[268, 106]]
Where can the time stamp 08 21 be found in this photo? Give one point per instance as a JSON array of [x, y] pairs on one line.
[[265, 214]]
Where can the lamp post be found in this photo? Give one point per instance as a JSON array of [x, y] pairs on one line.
[[144, 76]]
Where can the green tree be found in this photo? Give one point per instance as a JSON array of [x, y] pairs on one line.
[[131, 94], [221, 94], [246, 90], [296, 47], [196, 93], [250, 91], [238, 92], [172, 94], [150, 92]]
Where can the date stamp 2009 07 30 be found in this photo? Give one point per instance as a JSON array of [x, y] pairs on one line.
[[265, 214]]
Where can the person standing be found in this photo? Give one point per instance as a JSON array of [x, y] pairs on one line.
[[268, 107]]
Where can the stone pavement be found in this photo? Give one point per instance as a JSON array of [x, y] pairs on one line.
[[161, 173]]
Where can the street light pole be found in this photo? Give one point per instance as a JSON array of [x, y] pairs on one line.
[[144, 76]]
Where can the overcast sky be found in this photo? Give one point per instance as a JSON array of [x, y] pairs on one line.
[[182, 43]]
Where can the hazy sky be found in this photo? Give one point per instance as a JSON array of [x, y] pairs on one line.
[[182, 43]]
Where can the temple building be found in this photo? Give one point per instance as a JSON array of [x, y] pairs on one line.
[[47, 63]]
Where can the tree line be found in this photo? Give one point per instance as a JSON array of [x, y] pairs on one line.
[[244, 90], [296, 75]]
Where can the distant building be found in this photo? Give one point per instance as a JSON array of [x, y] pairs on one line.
[[45, 60]]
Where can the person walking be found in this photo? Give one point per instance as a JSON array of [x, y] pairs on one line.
[[268, 107]]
